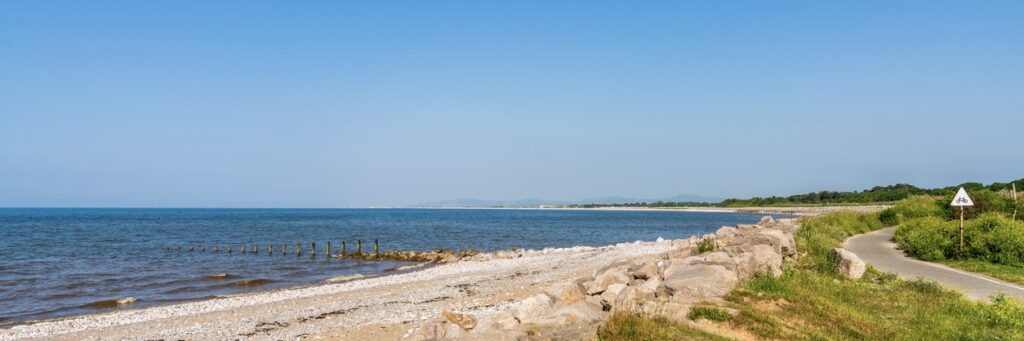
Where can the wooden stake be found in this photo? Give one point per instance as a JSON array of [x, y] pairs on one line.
[[255, 249], [961, 230], [376, 249], [312, 250], [328, 249], [229, 248], [284, 249], [342, 249], [270, 249], [298, 249], [1014, 201], [359, 247]]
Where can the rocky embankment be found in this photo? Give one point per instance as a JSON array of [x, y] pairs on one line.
[[666, 284]]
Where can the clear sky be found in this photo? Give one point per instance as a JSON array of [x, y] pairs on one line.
[[336, 104]]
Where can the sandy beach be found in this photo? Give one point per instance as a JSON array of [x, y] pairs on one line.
[[386, 307]]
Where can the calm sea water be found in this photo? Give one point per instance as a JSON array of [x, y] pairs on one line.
[[60, 262]]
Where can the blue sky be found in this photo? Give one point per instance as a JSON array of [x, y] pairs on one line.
[[336, 104]]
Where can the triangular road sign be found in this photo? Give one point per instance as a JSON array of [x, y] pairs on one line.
[[962, 199]]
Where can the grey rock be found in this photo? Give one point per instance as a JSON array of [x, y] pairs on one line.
[[847, 263]]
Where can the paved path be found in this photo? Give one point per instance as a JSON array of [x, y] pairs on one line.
[[877, 249]]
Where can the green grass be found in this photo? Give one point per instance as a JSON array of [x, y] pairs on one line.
[[708, 313], [1010, 273], [623, 326], [807, 304], [810, 302]]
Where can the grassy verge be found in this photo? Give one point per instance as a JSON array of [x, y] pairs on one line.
[[1004, 272], [810, 302], [621, 326]]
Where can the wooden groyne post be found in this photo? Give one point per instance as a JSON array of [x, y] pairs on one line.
[[359, 247], [270, 249], [312, 249], [298, 249], [328, 249], [343, 249], [376, 249], [284, 249]]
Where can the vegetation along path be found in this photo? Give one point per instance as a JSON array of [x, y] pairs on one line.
[[877, 249]]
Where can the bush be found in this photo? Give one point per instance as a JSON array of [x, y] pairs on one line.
[[913, 207], [1005, 311], [995, 238], [928, 238], [990, 237], [706, 245]]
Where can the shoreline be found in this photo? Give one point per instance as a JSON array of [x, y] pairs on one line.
[[483, 285], [418, 292], [754, 210]]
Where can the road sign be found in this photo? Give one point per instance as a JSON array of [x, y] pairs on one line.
[[962, 199]]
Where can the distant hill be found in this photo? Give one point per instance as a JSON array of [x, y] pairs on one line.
[[877, 194]]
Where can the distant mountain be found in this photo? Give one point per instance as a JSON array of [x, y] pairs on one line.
[[487, 203], [533, 202]]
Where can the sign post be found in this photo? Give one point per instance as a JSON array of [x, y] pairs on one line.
[[1014, 201], [961, 200]]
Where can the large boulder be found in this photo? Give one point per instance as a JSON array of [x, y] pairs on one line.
[[710, 258], [698, 282], [567, 293], [608, 296], [648, 270], [725, 234], [847, 263], [766, 221], [601, 282], [681, 253], [532, 307], [576, 313], [782, 242], [465, 321], [761, 259], [649, 289]]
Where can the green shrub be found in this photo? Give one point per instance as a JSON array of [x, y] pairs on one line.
[[708, 313], [913, 207], [990, 237], [1005, 312], [995, 238], [928, 238], [706, 245]]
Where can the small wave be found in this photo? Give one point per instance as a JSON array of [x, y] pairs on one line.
[[345, 278], [114, 303], [251, 282], [179, 290], [220, 276], [57, 297], [408, 267]]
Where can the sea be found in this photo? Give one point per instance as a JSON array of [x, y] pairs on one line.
[[58, 262]]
